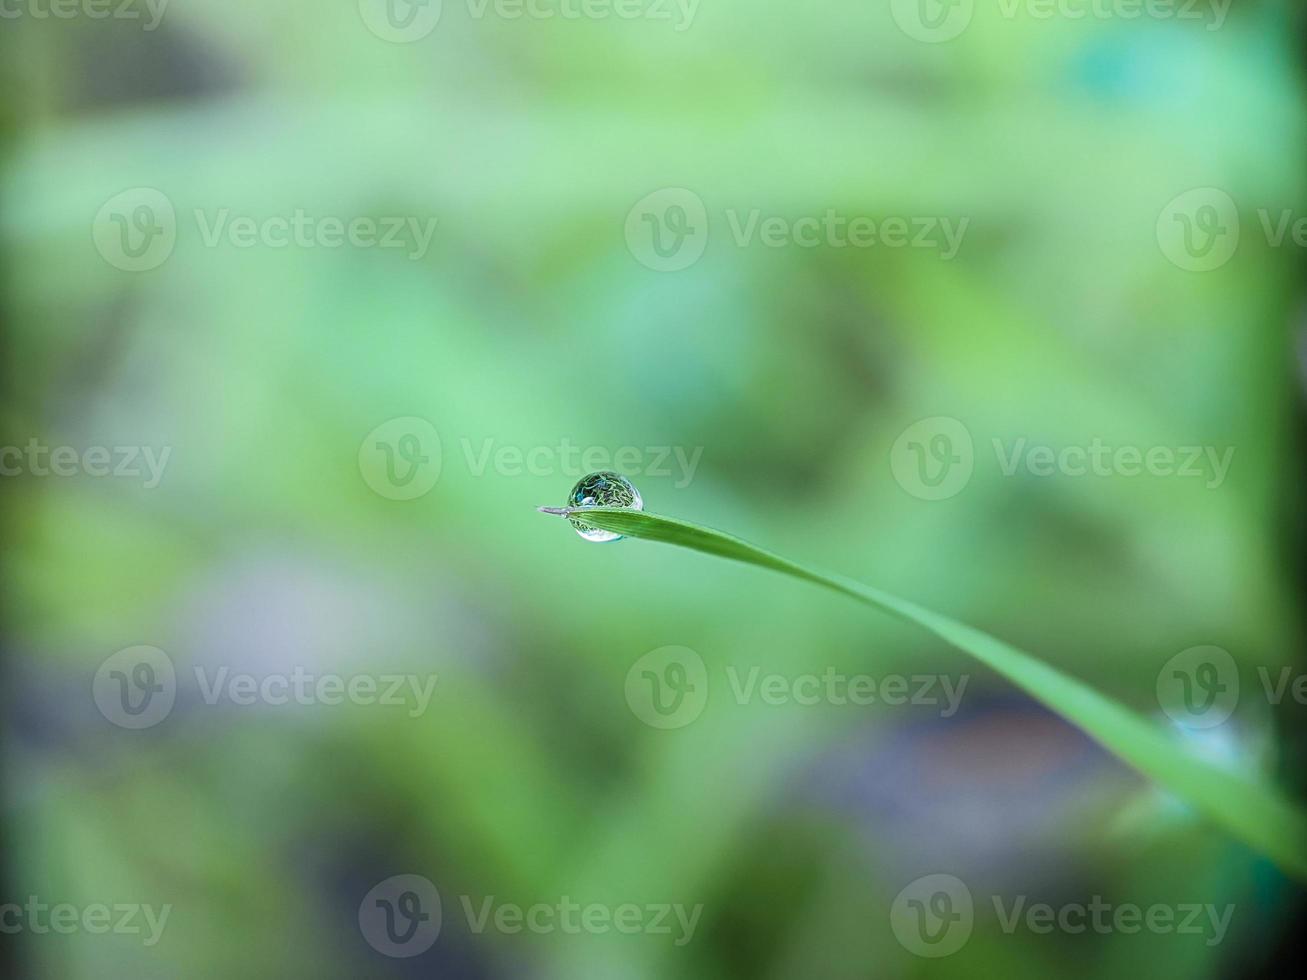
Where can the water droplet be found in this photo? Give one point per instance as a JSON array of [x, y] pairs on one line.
[[602, 489]]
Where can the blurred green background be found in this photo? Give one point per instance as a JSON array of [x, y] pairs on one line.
[[352, 424]]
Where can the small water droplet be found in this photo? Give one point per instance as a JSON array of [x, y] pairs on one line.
[[602, 489]]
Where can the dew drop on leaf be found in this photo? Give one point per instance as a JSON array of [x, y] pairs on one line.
[[602, 489]]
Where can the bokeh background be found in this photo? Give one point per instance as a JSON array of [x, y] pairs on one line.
[[357, 437]]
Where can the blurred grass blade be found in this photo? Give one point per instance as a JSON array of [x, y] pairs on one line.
[[1252, 811]]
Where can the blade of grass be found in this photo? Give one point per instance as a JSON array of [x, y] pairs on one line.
[[1249, 809]]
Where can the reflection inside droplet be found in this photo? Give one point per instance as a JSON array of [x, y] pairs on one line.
[[602, 489]]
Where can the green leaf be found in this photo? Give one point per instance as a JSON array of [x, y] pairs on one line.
[[1249, 809]]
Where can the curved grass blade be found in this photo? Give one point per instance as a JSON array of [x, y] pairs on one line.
[[1250, 810]]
